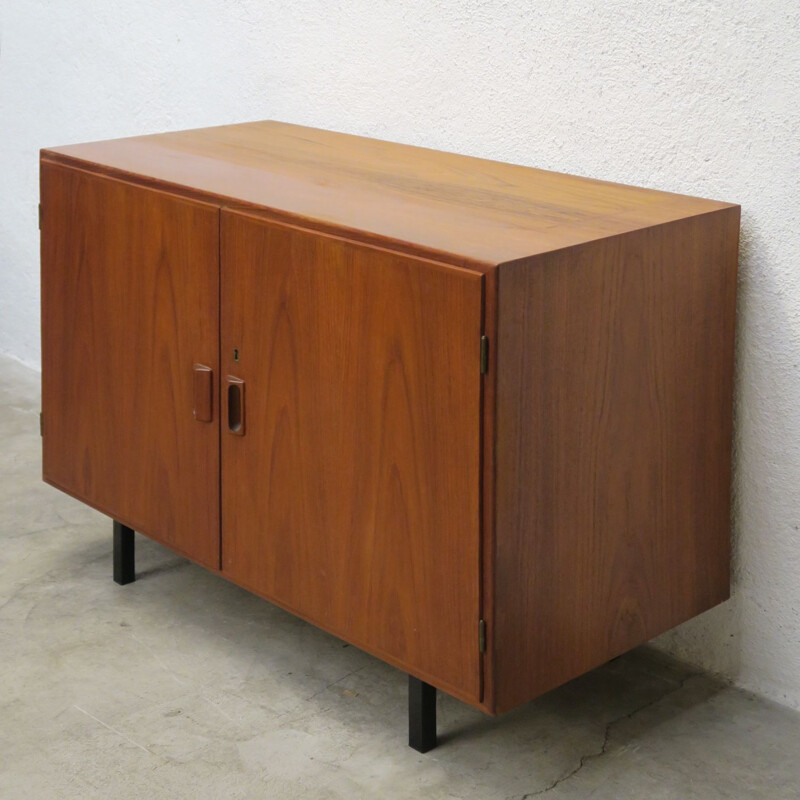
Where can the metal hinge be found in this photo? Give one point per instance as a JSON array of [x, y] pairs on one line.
[[41, 424], [484, 354], [481, 636], [40, 216]]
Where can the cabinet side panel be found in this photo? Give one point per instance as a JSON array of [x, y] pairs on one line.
[[614, 407], [130, 302]]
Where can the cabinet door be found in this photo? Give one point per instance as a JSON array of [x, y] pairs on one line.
[[130, 303], [350, 443]]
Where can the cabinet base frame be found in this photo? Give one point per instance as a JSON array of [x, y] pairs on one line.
[[421, 715], [124, 554]]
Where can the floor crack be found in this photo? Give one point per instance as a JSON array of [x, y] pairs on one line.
[[585, 759], [338, 680]]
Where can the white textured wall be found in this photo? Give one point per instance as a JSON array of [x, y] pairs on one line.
[[689, 95]]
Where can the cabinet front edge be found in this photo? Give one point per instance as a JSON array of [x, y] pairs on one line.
[[269, 213]]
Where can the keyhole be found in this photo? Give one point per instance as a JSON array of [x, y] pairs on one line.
[[235, 353]]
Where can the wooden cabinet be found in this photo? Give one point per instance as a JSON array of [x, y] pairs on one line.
[[471, 417]]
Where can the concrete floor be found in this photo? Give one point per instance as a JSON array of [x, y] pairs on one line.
[[182, 685]]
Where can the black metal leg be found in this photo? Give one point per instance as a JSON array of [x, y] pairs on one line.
[[421, 715], [124, 564]]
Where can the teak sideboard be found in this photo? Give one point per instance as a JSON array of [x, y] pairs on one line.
[[474, 418]]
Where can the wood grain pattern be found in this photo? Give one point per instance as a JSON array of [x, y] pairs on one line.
[[353, 497], [615, 370], [130, 284], [461, 210]]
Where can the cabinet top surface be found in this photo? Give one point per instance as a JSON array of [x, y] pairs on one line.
[[467, 211]]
